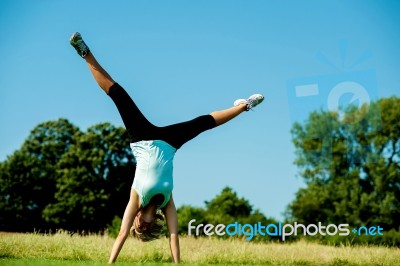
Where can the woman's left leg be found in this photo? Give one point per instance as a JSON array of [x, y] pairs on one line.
[[223, 116], [178, 134]]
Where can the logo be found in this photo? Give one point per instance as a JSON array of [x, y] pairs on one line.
[[336, 92], [279, 230]]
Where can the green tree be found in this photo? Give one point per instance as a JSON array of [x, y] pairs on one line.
[[225, 208], [351, 166], [28, 176], [94, 178], [186, 213], [64, 178]]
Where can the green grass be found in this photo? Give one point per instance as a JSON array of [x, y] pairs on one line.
[[45, 262], [64, 249]]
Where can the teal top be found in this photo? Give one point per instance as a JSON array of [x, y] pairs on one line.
[[153, 170]]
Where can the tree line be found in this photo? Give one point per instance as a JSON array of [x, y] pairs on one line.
[[351, 166], [62, 177]]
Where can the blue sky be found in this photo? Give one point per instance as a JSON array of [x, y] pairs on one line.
[[181, 59]]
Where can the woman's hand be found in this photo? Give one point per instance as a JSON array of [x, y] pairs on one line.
[[127, 221], [172, 225]]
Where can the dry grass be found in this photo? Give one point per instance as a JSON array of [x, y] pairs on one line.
[[63, 246]]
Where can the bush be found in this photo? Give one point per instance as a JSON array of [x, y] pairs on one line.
[[113, 228]]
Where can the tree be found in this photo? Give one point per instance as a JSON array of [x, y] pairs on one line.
[[94, 178], [227, 207], [28, 176], [64, 178], [186, 213], [351, 165], [224, 208]]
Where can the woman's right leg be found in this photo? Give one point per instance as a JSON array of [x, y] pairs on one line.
[[138, 127], [100, 75]]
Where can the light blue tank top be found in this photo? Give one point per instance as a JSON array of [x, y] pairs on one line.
[[154, 166]]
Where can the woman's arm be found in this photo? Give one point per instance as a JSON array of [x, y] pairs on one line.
[[172, 225], [127, 221]]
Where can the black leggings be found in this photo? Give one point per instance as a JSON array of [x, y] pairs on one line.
[[139, 128]]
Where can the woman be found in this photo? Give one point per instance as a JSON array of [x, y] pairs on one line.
[[154, 149]]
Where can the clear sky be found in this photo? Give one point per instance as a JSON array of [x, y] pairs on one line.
[[181, 59]]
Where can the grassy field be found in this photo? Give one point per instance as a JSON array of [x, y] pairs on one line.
[[64, 249]]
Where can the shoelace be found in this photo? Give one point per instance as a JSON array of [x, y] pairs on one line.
[[82, 47], [250, 104]]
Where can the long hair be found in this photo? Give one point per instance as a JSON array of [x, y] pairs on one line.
[[155, 230]]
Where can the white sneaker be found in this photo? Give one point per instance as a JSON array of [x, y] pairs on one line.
[[251, 102]]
